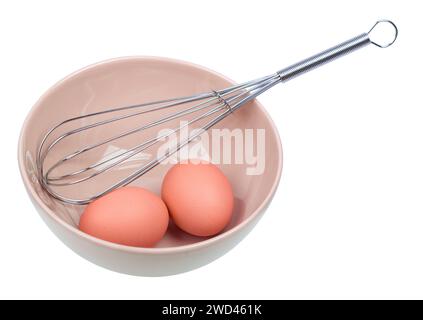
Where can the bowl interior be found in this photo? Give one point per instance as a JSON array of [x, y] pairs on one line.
[[252, 163]]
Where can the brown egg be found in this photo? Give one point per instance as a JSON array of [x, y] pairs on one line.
[[199, 198], [131, 216]]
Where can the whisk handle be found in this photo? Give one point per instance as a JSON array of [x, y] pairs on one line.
[[337, 51]]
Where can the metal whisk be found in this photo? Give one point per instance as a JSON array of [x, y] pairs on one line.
[[215, 105]]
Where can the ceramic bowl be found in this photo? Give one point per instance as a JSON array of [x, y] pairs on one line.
[[132, 80]]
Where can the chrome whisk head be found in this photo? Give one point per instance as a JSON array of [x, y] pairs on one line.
[[125, 142]]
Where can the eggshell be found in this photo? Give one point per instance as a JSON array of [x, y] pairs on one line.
[[199, 198], [130, 216]]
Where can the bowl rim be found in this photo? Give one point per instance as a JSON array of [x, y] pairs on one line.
[[129, 249]]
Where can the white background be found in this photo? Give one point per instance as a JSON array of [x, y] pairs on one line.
[[347, 219]]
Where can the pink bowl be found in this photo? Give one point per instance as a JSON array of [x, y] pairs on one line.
[[132, 80]]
